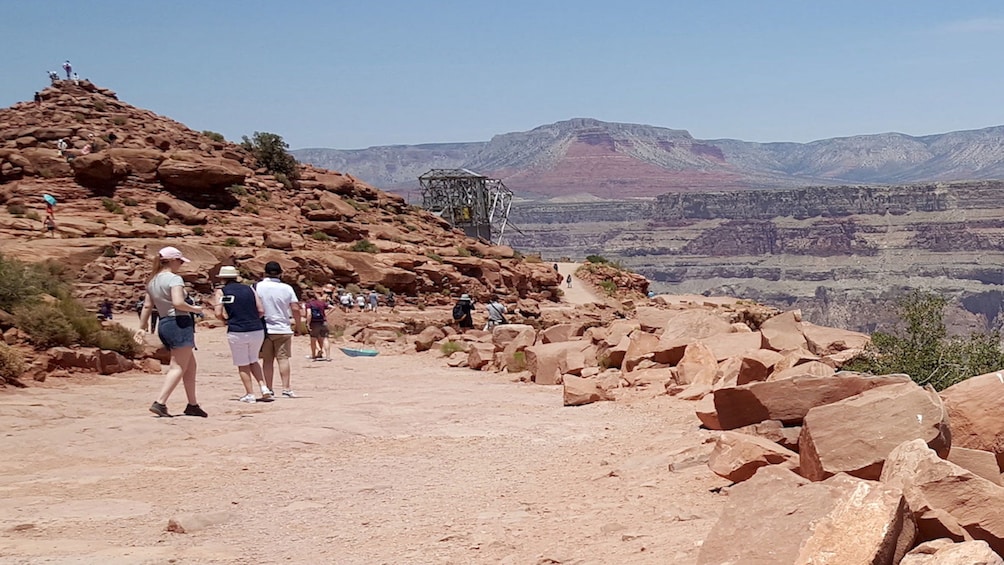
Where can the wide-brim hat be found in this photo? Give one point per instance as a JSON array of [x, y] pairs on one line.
[[228, 272], [465, 297]]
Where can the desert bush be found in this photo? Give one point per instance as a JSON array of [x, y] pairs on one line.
[[119, 120], [130, 201], [380, 289], [283, 179], [609, 286], [320, 236], [237, 190], [157, 220], [213, 135], [271, 152], [109, 251], [921, 348], [21, 282], [16, 209], [596, 259], [249, 209], [198, 230], [118, 338], [100, 105], [533, 259], [45, 324], [434, 257], [365, 246], [450, 347], [84, 323], [463, 252], [518, 362], [11, 363], [231, 242], [111, 205], [78, 117]]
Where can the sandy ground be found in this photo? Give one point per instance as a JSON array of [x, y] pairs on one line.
[[394, 459], [579, 293]]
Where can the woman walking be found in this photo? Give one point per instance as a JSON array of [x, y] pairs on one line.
[[240, 306], [165, 293]]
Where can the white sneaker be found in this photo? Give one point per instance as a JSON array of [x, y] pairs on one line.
[[289, 394], [266, 393], [249, 398]]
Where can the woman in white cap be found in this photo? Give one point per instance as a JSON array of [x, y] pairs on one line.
[[165, 292], [240, 306]]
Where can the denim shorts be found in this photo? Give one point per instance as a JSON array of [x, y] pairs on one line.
[[177, 331]]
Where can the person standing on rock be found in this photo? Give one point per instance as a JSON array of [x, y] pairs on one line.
[[240, 306], [76, 79], [53, 77], [68, 68], [50, 225], [280, 303], [38, 99], [463, 312], [165, 293]]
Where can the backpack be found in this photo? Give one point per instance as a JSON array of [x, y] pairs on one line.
[[316, 313], [459, 312]]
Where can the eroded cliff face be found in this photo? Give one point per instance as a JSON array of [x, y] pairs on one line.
[[841, 254]]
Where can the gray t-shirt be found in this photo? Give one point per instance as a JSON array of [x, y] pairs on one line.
[[159, 289]]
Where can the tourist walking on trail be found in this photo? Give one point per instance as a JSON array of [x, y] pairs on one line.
[[568, 280], [320, 347], [496, 313], [165, 293], [240, 306], [374, 300], [463, 312], [68, 68], [280, 303]]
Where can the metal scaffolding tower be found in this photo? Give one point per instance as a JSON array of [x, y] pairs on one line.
[[469, 201]]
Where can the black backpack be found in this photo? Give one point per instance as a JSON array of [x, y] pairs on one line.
[[459, 312]]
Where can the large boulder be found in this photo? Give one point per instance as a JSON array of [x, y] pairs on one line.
[[789, 400], [778, 517], [822, 340], [427, 337], [945, 497], [756, 366], [975, 408], [737, 456], [735, 344], [697, 366], [200, 173], [783, 331], [548, 361], [181, 211], [99, 171], [947, 552], [578, 391], [856, 434]]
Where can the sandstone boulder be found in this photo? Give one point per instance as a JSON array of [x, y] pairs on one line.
[[578, 391], [200, 174], [686, 327], [810, 369], [783, 331], [828, 341], [755, 366], [181, 211], [728, 345], [946, 497], [789, 400], [978, 462], [110, 363], [278, 240], [856, 434], [98, 170], [505, 334], [641, 346], [548, 361], [947, 552], [975, 408], [737, 456], [697, 366], [560, 332], [480, 355]]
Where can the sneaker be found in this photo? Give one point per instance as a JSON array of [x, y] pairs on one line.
[[194, 410], [249, 398], [266, 393], [310, 357], [289, 394], [160, 410]]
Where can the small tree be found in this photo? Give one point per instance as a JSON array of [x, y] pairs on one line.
[[271, 152]]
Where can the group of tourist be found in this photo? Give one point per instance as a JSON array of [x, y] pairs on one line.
[[463, 312], [258, 321], [361, 300]]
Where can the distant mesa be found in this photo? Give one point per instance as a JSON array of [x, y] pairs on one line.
[[616, 160]]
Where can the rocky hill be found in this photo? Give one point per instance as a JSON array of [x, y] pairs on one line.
[[131, 181], [614, 160]]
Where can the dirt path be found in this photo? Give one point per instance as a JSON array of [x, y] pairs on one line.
[[580, 292], [393, 459]]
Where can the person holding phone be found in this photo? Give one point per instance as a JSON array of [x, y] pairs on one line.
[[240, 306]]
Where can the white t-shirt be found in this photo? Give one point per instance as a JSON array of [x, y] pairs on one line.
[[276, 296], [159, 289]]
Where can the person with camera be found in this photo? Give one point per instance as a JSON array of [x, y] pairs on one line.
[[239, 305]]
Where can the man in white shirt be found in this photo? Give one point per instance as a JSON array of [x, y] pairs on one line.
[[280, 303]]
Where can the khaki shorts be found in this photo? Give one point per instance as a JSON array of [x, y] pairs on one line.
[[276, 346], [318, 330]]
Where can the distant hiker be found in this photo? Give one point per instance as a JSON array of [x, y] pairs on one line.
[[50, 225], [320, 348], [105, 310], [165, 293], [38, 99], [346, 301], [280, 305], [374, 300], [240, 306], [651, 294], [391, 301], [568, 280], [555, 267], [62, 146], [68, 68], [361, 301], [112, 137], [496, 313], [53, 77], [76, 79], [86, 150], [463, 312]]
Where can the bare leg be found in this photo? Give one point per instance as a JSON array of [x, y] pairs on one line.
[[313, 347], [326, 347], [172, 378], [255, 369], [267, 358], [283, 373], [186, 358], [245, 373]]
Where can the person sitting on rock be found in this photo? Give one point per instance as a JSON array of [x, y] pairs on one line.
[[53, 77]]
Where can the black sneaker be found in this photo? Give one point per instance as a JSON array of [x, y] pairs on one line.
[[194, 410], [160, 410]]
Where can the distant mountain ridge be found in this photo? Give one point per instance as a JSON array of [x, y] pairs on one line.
[[617, 160]]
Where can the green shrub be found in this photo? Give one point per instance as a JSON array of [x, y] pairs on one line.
[[271, 152], [156, 220], [21, 282], [410, 227], [518, 362], [45, 324], [130, 202], [231, 242], [78, 117], [920, 346], [16, 209], [365, 246], [118, 338], [434, 257], [237, 190], [463, 252], [214, 135], [109, 251], [380, 289], [283, 179], [312, 206], [609, 286], [100, 105], [84, 322], [249, 209], [198, 230], [320, 236], [119, 120], [33, 215], [451, 347], [11, 363], [533, 259], [111, 205], [596, 259], [360, 206], [353, 288]]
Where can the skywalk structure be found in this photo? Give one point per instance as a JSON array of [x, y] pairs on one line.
[[469, 201]]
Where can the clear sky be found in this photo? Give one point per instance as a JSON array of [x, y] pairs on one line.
[[351, 74]]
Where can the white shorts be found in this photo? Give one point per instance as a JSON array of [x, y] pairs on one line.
[[244, 346]]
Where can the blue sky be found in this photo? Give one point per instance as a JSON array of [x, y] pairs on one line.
[[351, 74]]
